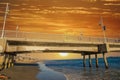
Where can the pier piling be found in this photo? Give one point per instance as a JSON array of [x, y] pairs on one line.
[[96, 58], [90, 62], [6, 59], [12, 60], [84, 61], [105, 61]]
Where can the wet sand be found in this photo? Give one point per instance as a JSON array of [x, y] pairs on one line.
[[22, 72]]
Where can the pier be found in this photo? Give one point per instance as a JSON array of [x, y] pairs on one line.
[[29, 42]]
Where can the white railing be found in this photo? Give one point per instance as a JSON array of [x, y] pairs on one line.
[[54, 37]]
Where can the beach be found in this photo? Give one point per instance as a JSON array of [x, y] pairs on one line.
[[24, 71], [65, 70], [31, 72], [21, 72]]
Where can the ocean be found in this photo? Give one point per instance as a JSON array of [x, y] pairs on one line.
[[74, 70]]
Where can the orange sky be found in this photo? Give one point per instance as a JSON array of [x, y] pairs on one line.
[[63, 16], [57, 56]]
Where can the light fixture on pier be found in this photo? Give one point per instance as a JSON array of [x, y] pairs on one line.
[[6, 12], [103, 29]]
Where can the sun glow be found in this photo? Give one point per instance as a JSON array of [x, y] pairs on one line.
[[63, 54]]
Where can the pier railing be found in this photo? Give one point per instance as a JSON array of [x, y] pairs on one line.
[[54, 37]]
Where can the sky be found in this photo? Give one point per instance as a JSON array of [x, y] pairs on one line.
[[63, 16], [57, 56]]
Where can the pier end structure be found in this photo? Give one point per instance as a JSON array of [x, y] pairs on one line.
[[102, 49]]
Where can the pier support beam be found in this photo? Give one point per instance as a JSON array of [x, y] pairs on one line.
[[6, 61], [84, 61], [12, 61], [96, 58], [2, 59], [90, 62], [105, 61]]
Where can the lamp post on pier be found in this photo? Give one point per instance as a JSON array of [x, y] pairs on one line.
[[6, 12], [105, 42], [103, 29]]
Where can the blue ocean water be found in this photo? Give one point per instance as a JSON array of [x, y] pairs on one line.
[[74, 69], [114, 62]]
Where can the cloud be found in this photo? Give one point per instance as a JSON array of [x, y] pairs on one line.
[[112, 4], [72, 11], [106, 13], [15, 5], [60, 16], [1, 12], [55, 24], [68, 8], [3, 3], [95, 8], [117, 14]]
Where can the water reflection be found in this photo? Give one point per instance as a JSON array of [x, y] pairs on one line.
[[49, 74]]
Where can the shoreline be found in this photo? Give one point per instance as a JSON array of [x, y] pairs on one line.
[[21, 72], [25, 71], [49, 74], [30, 72]]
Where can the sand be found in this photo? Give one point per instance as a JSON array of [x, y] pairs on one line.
[[22, 72], [32, 72]]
